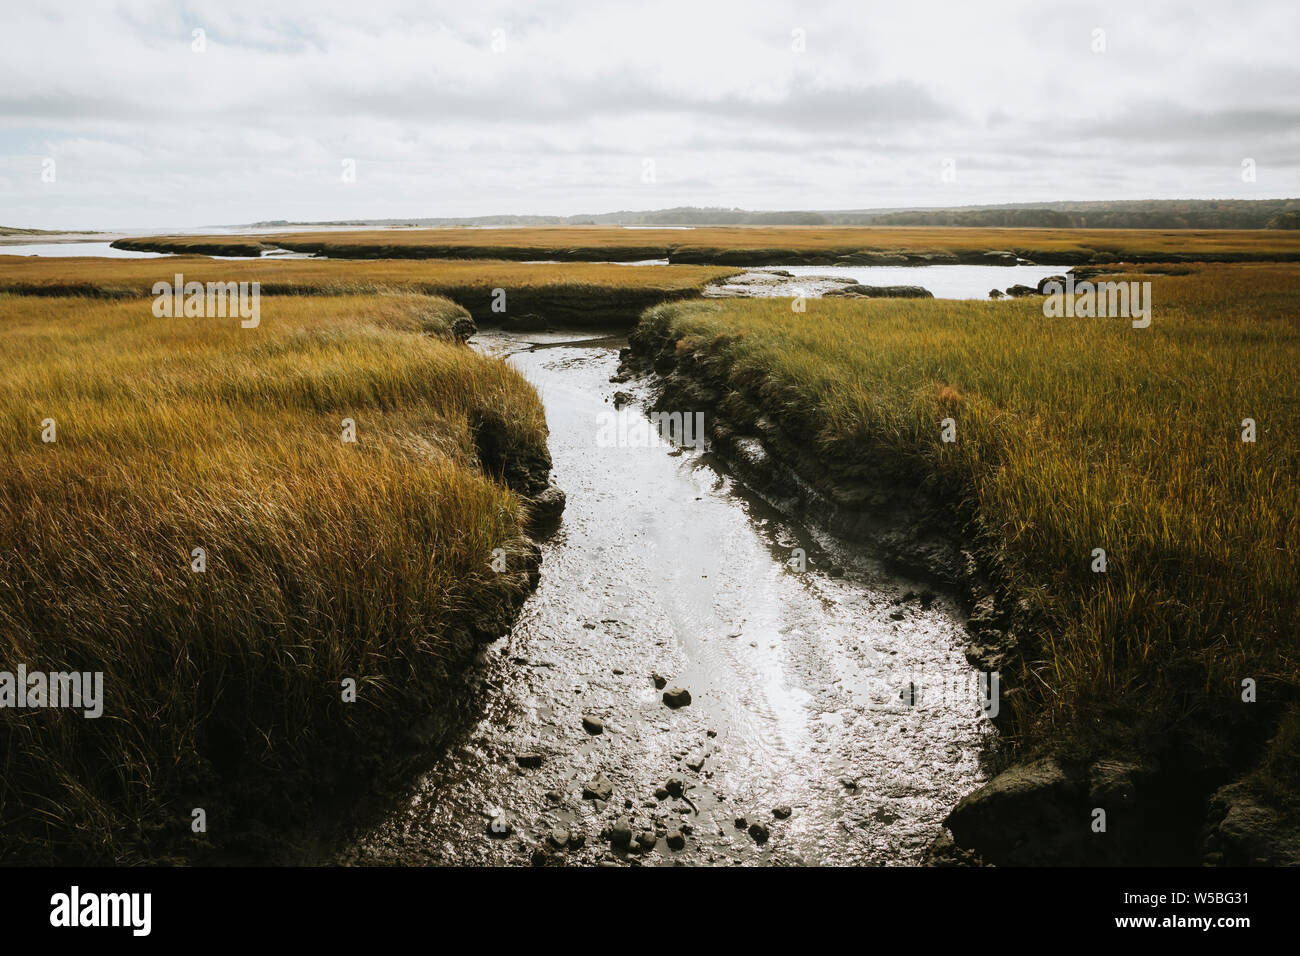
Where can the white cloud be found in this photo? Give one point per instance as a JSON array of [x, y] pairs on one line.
[[148, 133]]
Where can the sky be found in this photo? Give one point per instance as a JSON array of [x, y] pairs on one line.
[[184, 114]]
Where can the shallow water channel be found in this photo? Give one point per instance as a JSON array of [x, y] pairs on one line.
[[821, 690]]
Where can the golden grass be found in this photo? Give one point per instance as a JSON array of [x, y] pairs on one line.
[[453, 278], [574, 293], [1076, 434], [325, 560], [703, 243]]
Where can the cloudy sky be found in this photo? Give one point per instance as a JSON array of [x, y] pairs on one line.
[[535, 106]]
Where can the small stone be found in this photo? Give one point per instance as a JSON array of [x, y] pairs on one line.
[[646, 840], [675, 786], [677, 697], [782, 812], [759, 832], [593, 725], [661, 793], [529, 760], [577, 841], [660, 682], [617, 672], [897, 616], [741, 823], [696, 762], [558, 838], [554, 796], [675, 840], [621, 834], [598, 789]]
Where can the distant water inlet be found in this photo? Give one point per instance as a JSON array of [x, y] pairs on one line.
[[941, 281]]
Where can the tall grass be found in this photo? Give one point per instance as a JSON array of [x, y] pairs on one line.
[[1076, 434], [325, 560]]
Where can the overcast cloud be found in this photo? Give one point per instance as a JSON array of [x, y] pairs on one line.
[[145, 132]]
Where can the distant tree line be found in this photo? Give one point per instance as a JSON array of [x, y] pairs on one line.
[[1123, 214]]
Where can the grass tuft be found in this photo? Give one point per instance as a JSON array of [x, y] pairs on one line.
[[325, 560]]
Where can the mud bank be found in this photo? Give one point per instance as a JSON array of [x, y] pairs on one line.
[[584, 307], [675, 255], [1038, 810]]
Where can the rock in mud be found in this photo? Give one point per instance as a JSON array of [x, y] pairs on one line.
[[558, 838], [675, 786], [1244, 830], [660, 682], [676, 697], [1033, 814], [529, 761], [782, 812], [545, 509], [857, 291], [646, 840], [620, 835], [759, 831], [593, 725], [675, 840], [598, 789]]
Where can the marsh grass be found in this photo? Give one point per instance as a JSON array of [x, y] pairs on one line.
[[1076, 434], [325, 560], [748, 243], [565, 293], [457, 279]]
